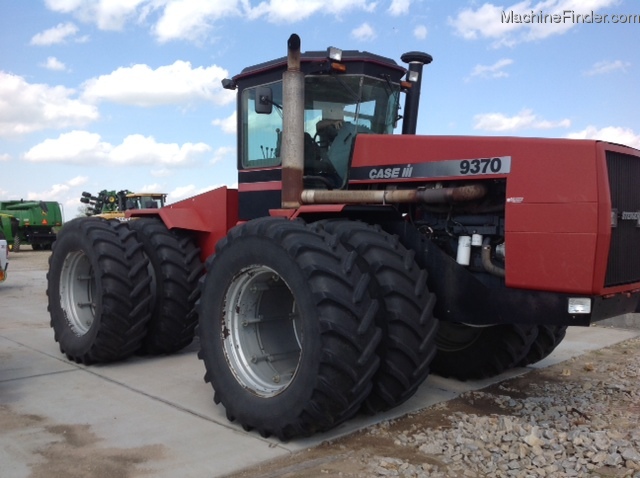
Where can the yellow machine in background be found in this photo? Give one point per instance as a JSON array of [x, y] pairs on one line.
[[112, 205]]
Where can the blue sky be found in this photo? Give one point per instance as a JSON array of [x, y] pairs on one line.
[[126, 94]]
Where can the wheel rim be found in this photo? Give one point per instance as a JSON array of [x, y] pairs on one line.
[[77, 290], [261, 331]]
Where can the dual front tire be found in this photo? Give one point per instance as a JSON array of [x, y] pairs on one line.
[[287, 328], [302, 326]]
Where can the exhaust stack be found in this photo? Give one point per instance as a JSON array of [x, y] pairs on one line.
[[293, 126], [416, 61]]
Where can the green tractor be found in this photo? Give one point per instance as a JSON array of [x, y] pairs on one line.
[[30, 222]]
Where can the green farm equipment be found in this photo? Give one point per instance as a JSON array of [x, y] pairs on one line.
[[30, 222]]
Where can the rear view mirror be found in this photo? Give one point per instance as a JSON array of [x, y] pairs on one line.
[[264, 100]]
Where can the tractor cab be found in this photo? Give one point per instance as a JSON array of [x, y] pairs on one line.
[[145, 201], [346, 93]]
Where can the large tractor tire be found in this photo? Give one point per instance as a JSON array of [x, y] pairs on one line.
[[175, 268], [99, 291], [548, 338], [287, 328], [405, 316], [16, 244], [466, 352]]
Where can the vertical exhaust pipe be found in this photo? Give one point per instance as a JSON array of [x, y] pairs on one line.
[[293, 127], [416, 61]]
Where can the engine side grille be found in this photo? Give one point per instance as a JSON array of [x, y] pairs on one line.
[[624, 181]]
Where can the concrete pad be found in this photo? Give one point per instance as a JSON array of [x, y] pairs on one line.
[[162, 407], [116, 418], [18, 361], [152, 416]]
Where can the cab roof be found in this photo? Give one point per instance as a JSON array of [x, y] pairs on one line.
[[317, 62]]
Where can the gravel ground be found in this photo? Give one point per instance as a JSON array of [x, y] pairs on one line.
[[580, 418]]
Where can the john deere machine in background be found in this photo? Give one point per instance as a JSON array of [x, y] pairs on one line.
[[112, 204], [8, 227], [30, 222]]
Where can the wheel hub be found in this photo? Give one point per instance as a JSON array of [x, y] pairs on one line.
[[77, 292], [261, 331]]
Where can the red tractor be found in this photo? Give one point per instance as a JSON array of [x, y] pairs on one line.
[[350, 262]]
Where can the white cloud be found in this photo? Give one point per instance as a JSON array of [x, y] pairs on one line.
[[604, 67], [364, 32], [5, 157], [74, 147], [172, 84], [222, 153], [181, 193], [54, 64], [57, 191], [420, 32], [106, 14], [160, 173], [533, 20], [82, 147], [228, 124], [525, 119], [137, 149], [613, 134], [291, 11], [26, 107], [150, 188], [77, 181], [192, 19], [399, 7], [57, 34], [491, 71]]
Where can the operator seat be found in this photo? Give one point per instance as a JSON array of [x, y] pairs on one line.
[[340, 148], [319, 173]]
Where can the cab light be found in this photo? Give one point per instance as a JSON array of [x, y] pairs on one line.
[[334, 53], [413, 76], [579, 305], [338, 67]]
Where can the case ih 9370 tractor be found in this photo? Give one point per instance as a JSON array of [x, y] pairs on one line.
[[350, 262]]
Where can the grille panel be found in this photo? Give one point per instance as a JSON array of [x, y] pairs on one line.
[[623, 266]]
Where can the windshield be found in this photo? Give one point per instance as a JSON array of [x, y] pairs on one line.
[[144, 202], [337, 108]]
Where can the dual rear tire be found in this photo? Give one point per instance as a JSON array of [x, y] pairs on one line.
[[468, 352], [115, 289]]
